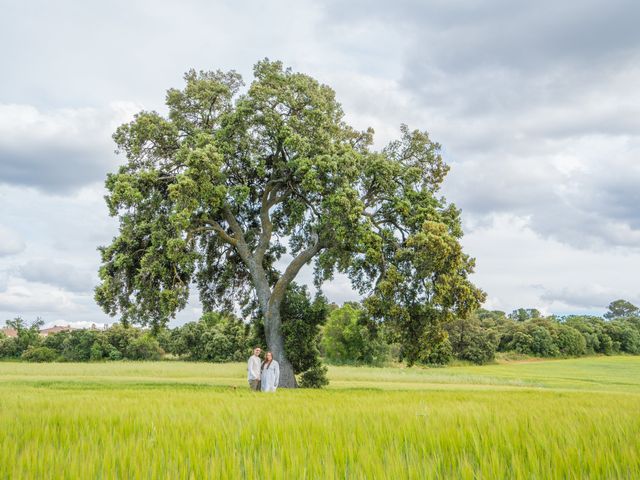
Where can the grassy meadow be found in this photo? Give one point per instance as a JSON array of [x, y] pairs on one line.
[[548, 419]]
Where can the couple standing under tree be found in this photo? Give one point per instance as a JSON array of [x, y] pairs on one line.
[[263, 375]]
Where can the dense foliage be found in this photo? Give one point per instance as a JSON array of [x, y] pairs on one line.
[[215, 193], [214, 338], [349, 338]]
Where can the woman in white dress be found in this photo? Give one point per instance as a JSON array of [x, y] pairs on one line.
[[270, 374]]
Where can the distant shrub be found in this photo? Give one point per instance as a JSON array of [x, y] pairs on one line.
[[113, 353], [594, 331], [144, 348], [570, 342], [521, 343], [469, 341], [214, 338], [225, 338], [121, 337], [55, 341], [78, 345], [314, 377], [187, 341], [163, 335], [97, 352], [480, 350], [542, 343], [302, 318], [39, 354], [624, 336], [437, 349], [347, 337], [27, 336], [9, 348]]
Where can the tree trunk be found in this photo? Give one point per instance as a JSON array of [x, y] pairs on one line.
[[275, 342], [270, 300]]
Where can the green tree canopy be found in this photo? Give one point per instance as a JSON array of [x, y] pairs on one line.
[[346, 337], [524, 314], [621, 308], [217, 191]]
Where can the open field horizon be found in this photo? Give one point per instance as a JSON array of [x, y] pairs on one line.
[[608, 373], [573, 418]]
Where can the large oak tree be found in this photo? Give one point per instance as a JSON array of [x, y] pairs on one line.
[[235, 192]]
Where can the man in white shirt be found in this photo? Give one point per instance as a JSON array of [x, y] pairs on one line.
[[253, 369]]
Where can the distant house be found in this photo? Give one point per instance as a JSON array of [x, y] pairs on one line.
[[55, 329], [9, 332], [45, 332]]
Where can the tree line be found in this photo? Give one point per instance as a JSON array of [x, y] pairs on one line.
[[115, 343], [349, 337], [315, 330]]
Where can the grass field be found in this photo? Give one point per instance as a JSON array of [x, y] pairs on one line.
[[553, 419]]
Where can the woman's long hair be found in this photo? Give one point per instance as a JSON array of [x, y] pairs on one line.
[[265, 363]]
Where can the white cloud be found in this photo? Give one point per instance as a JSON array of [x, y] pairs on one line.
[[58, 150], [57, 274], [10, 242], [22, 297], [589, 297], [581, 191]]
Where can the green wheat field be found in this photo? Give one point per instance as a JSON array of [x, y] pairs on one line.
[[538, 420]]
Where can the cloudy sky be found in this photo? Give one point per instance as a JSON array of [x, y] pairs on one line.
[[536, 104]]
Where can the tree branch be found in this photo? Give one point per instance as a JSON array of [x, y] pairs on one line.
[[306, 202], [378, 223], [237, 241], [292, 270], [222, 233], [233, 223], [267, 226], [270, 197]]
